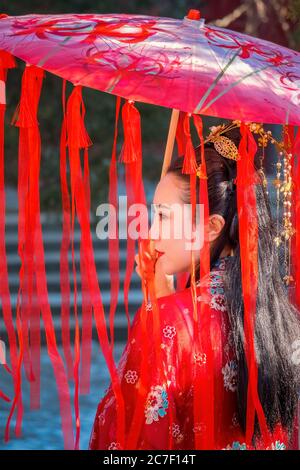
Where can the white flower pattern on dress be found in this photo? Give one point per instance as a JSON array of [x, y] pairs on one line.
[[218, 302], [199, 428], [114, 446], [156, 404], [169, 331], [175, 431], [131, 376], [200, 358], [277, 445], [235, 446], [229, 372], [216, 297]]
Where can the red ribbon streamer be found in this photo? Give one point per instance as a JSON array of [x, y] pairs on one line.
[[131, 155], [7, 62], [33, 280], [180, 134], [295, 244], [113, 242], [78, 138], [87, 311], [296, 206], [65, 244], [204, 374], [248, 236]]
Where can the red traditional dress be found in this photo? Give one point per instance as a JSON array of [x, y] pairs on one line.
[[176, 395]]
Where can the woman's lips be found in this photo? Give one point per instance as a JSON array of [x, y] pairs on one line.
[[159, 253]]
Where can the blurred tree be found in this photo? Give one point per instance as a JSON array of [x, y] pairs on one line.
[[273, 20], [294, 15]]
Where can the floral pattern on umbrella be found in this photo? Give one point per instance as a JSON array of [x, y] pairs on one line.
[[180, 64]]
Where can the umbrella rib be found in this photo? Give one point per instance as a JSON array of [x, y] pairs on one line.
[[41, 63], [233, 85], [214, 83]]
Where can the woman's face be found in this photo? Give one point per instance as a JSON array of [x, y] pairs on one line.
[[171, 227]]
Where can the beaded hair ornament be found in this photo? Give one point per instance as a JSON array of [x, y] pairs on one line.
[[225, 147]]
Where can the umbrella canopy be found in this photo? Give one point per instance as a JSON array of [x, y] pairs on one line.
[[184, 65], [214, 71]]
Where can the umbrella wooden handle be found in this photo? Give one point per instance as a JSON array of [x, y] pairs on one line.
[[170, 142]]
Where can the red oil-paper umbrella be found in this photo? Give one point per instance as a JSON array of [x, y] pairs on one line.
[[196, 70]]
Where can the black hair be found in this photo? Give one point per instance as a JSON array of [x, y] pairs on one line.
[[277, 319]]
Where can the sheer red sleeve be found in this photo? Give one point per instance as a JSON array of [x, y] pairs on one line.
[[162, 426], [167, 412]]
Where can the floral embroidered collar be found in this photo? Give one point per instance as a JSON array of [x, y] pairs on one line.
[[220, 262], [218, 266]]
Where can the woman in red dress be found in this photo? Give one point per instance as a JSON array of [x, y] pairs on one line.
[[277, 329]]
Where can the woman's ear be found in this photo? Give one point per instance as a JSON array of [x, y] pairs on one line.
[[216, 223]]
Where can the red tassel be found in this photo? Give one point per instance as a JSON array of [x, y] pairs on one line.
[[80, 139], [6, 62], [248, 236], [296, 205], [32, 273], [132, 147], [77, 138], [189, 163], [203, 375], [25, 118], [131, 155], [295, 298]]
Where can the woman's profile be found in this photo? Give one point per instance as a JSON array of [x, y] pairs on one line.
[[276, 330]]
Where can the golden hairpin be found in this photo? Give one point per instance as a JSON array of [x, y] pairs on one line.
[[223, 145], [227, 149]]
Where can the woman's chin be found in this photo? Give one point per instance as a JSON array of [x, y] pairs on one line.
[[167, 266], [164, 263]]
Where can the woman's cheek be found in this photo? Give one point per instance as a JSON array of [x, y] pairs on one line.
[[181, 256]]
